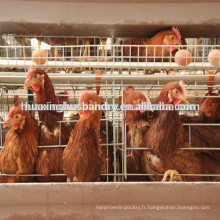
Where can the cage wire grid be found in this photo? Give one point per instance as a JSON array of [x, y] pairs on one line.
[[113, 93], [109, 63], [84, 54], [85, 57]]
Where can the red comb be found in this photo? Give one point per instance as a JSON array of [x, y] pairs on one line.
[[11, 112], [66, 92], [204, 103], [177, 32], [182, 85], [16, 98], [30, 70], [148, 100], [82, 97]]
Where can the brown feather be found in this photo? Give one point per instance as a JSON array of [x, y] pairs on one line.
[[202, 118], [166, 136], [137, 125], [81, 158], [106, 153], [20, 150], [152, 52], [49, 160]]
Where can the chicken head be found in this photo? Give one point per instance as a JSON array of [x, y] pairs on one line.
[[89, 100], [15, 120], [173, 93], [174, 38], [210, 106], [134, 97], [34, 80]]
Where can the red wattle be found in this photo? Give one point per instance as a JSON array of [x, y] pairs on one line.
[[208, 114], [171, 48], [15, 126], [35, 88], [176, 102], [86, 114]]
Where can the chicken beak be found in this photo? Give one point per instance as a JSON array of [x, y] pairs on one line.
[[76, 112], [180, 45], [6, 124], [201, 110], [184, 99], [27, 84]]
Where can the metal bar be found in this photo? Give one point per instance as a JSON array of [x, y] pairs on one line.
[[31, 175], [183, 148], [202, 124], [113, 115], [134, 174], [200, 148], [190, 136], [110, 174], [60, 132], [124, 138], [106, 124], [6, 77]]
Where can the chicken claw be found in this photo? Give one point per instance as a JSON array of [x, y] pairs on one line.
[[173, 176]]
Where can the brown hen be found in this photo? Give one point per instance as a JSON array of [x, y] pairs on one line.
[[167, 38], [81, 158], [49, 160], [166, 137], [209, 111], [20, 148], [137, 125]]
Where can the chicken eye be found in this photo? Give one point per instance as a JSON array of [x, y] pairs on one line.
[[176, 91], [35, 76], [210, 105], [171, 37], [16, 116], [140, 100], [89, 102]]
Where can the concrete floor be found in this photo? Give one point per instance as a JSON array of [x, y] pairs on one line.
[[110, 201]]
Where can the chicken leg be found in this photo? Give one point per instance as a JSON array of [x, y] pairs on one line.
[[73, 53], [103, 54], [103, 40], [57, 52], [195, 49], [23, 45], [85, 54], [39, 42], [173, 174], [57, 55]]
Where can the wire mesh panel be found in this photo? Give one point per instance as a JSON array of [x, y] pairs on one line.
[[109, 54], [67, 57], [111, 122]]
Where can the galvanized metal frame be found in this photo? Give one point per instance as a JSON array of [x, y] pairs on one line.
[[119, 74]]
